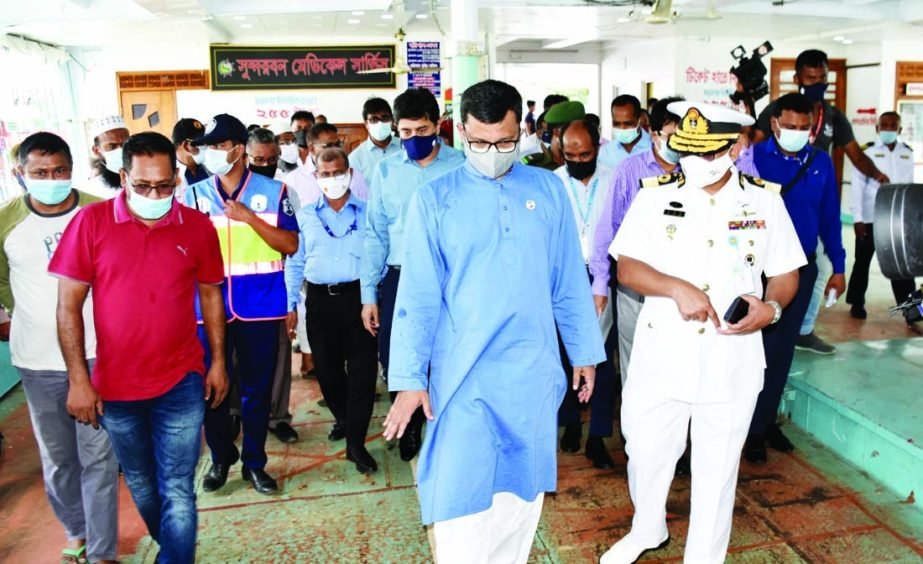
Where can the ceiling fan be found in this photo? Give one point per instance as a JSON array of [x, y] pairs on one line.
[[400, 65]]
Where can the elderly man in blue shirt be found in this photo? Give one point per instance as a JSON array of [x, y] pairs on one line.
[[330, 244], [394, 182], [809, 190], [628, 137], [492, 264]]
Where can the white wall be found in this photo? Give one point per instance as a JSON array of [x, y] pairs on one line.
[[97, 93]]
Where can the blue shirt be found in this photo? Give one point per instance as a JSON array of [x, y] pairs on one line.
[[323, 258], [812, 202], [491, 268], [365, 157], [611, 154], [395, 180]]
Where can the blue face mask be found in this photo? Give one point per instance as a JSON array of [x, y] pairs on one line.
[[887, 137], [625, 136], [147, 208], [815, 92], [666, 153], [49, 192], [792, 140], [419, 147]]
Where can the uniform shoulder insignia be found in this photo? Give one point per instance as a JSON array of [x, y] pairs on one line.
[[663, 180], [755, 182], [867, 145]]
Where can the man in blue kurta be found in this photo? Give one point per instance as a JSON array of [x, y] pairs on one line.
[[492, 263]]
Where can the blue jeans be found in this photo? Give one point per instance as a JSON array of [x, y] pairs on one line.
[[157, 442]]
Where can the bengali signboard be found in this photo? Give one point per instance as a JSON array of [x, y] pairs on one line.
[[270, 67], [420, 55]]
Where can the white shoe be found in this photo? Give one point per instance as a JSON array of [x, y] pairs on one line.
[[626, 552]]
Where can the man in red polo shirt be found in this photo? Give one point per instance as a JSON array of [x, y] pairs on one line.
[[144, 255]]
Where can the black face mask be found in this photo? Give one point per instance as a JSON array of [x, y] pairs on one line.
[[301, 138], [581, 170], [268, 171]]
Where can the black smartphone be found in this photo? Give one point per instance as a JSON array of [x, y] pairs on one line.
[[738, 310]]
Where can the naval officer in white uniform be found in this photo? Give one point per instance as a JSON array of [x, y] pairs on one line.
[[691, 250]]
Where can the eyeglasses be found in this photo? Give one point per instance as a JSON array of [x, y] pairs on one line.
[[163, 189], [377, 119], [503, 146], [261, 161], [336, 145]]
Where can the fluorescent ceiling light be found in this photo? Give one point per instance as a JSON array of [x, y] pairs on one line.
[[422, 16], [623, 19], [246, 25], [352, 21], [839, 38], [240, 18], [847, 42], [387, 16], [358, 13]]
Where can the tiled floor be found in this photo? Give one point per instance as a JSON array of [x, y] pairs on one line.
[[804, 507]]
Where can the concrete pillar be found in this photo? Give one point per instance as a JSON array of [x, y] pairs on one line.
[[465, 54]]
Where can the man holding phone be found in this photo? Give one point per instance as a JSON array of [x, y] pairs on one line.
[[691, 252]]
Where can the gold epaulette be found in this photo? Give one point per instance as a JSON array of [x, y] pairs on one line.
[[663, 180], [754, 182]]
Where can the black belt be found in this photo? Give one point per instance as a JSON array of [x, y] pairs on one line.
[[335, 289], [394, 267]]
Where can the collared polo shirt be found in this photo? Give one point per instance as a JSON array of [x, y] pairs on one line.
[[143, 280]]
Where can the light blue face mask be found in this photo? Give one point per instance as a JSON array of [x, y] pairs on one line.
[[887, 137], [792, 140], [625, 136], [148, 208], [50, 192], [666, 153]]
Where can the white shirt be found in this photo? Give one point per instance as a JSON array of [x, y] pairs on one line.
[[587, 201], [720, 243], [529, 145], [29, 247], [897, 164], [97, 186]]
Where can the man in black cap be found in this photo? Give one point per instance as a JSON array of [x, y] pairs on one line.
[[256, 223], [189, 158]]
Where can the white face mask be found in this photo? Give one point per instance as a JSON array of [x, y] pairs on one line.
[[379, 131], [493, 163], [334, 187], [113, 160], [700, 172], [199, 157], [216, 161], [289, 153]]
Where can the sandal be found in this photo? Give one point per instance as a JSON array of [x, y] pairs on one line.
[[75, 555]]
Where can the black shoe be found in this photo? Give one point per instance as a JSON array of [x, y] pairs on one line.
[[814, 344], [261, 481], [365, 464], [217, 475], [235, 427], [570, 440], [409, 444], [284, 432], [683, 468], [755, 450], [597, 452], [858, 312], [337, 433], [777, 440]]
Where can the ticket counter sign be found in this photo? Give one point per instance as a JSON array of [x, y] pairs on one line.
[[236, 67]]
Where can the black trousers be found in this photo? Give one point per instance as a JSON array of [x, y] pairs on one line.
[[779, 346], [344, 357], [387, 295], [859, 278]]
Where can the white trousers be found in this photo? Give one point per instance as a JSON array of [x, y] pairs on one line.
[[502, 534], [655, 431]]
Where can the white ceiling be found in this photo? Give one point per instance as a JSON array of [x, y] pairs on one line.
[[561, 23]]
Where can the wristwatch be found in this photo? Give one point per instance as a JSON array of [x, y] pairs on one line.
[[778, 309]]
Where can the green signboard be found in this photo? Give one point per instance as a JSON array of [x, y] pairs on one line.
[[236, 67]]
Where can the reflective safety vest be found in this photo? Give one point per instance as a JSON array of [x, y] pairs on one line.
[[254, 276]]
